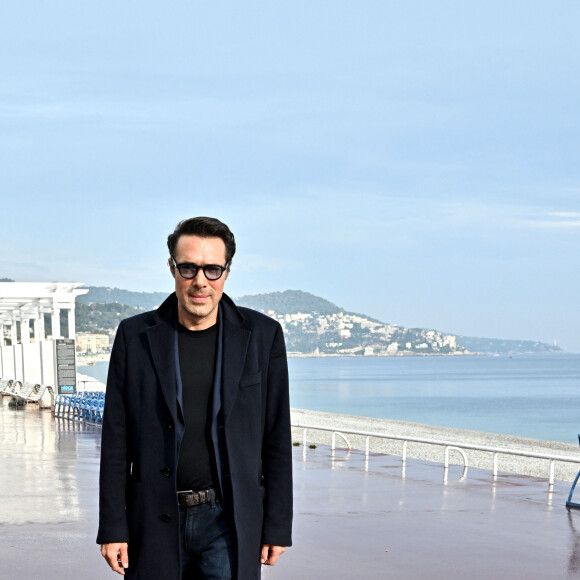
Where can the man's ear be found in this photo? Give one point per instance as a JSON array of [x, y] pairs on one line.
[[171, 267]]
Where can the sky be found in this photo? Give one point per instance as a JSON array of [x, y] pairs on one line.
[[417, 162]]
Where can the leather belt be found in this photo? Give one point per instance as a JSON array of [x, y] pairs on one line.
[[189, 498]]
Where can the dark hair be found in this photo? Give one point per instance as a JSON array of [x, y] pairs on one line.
[[204, 227]]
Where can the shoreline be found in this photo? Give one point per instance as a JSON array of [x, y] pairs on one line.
[[435, 453], [403, 353]]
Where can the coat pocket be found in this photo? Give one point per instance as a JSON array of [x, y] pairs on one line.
[[250, 380]]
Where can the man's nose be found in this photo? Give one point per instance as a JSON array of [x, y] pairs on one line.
[[199, 279]]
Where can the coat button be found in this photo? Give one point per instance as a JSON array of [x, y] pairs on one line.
[[170, 424], [166, 517], [166, 471]]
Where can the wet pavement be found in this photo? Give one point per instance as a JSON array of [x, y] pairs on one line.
[[348, 513]]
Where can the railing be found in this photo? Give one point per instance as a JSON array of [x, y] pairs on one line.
[[449, 446]]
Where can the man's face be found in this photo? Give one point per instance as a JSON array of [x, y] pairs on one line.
[[198, 298]]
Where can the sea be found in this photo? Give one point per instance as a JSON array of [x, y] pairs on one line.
[[534, 396]]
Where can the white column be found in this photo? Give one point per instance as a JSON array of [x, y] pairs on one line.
[[55, 321], [33, 325], [14, 338], [13, 331], [71, 322], [24, 329], [39, 331], [1, 334]]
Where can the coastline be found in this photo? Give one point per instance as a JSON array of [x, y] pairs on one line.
[[480, 459], [407, 353], [403, 353]]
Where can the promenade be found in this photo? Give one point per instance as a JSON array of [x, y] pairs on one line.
[[353, 518]]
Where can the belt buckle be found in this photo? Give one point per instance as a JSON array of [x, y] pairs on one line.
[[191, 498], [185, 498]]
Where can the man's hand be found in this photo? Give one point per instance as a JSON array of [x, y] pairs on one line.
[[117, 556], [270, 554]]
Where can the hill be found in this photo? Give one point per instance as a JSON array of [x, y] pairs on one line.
[[312, 325], [106, 295], [505, 346], [288, 302]]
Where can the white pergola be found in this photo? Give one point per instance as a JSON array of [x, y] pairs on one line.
[[50, 360], [27, 302]]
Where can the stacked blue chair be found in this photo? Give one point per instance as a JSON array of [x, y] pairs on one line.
[[86, 406], [77, 406], [62, 406], [570, 503], [94, 408]]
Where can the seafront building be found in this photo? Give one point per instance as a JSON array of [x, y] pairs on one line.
[[33, 348], [348, 334], [87, 342]]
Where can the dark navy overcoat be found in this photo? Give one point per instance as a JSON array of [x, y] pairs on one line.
[[143, 426]]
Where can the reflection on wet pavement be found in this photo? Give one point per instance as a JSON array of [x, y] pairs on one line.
[[355, 517], [50, 462]]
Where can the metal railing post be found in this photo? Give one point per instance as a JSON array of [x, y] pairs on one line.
[[334, 434], [449, 448]]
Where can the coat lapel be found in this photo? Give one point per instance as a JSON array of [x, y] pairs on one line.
[[161, 343], [235, 346]]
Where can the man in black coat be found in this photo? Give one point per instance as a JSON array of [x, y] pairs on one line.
[[196, 468]]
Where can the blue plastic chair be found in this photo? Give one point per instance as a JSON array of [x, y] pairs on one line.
[[57, 406], [570, 503]]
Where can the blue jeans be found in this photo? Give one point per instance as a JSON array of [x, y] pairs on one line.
[[208, 542]]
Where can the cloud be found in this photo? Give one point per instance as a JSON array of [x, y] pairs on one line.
[[565, 214], [560, 220]]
